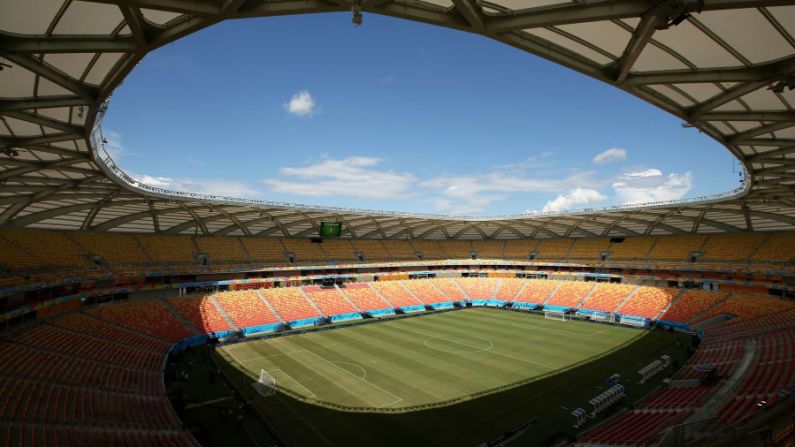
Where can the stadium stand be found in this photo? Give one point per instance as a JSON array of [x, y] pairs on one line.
[[373, 250], [676, 247], [489, 249], [780, 247], [400, 250], [731, 247], [554, 248], [606, 297], [745, 306], [535, 290], [632, 248], [456, 249], [117, 249], [224, 249], [168, 249], [509, 287], [394, 291], [52, 247], [290, 303], [14, 258], [479, 288], [329, 300], [589, 249], [429, 249], [569, 294], [691, 303], [85, 324], [304, 250], [265, 249], [426, 291], [201, 312], [519, 249], [365, 297], [647, 302], [636, 427], [449, 287], [150, 317], [246, 308], [339, 249]]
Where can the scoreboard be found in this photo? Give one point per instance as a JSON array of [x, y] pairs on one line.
[[330, 229]]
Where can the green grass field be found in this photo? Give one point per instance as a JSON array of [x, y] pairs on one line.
[[426, 361], [451, 378]]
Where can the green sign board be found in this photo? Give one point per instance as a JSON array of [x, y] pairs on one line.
[[330, 229]]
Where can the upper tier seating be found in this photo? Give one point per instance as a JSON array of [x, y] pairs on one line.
[[265, 249], [732, 247], [456, 249], [676, 247], [395, 293], [13, 258], [339, 249], [329, 300], [631, 248], [246, 308], [479, 288], [221, 248], [373, 250], [429, 249], [119, 249], [426, 291], [52, 247], [365, 297], [88, 325], [589, 249], [606, 297], [508, 288], [400, 250], [554, 248], [647, 302], [535, 290], [691, 303], [519, 249], [779, 248], [166, 249], [569, 294], [290, 303], [201, 312], [489, 249], [150, 317], [449, 288], [304, 249]]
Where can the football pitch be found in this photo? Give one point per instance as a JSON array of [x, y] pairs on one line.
[[449, 378]]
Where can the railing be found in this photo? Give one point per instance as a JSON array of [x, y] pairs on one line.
[[107, 164]]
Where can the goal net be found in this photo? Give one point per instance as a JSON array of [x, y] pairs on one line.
[[555, 315], [265, 385], [603, 317]]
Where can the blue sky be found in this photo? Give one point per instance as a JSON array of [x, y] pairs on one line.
[[396, 115]]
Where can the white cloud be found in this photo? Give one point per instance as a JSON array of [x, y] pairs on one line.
[[610, 155], [351, 177], [115, 146], [301, 104], [575, 198], [218, 187], [652, 186]]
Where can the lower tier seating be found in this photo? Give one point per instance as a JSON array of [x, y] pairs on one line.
[[606, 297], [290, 304], [395, 293], [479, 288], [691, 303], [150, 317], [201, 312], [450, 288], [507, 288], [365, 297], [647, 302], [329, 300], [535, 290], [569, 294], [426, 291], [246, 308], [637, 427]]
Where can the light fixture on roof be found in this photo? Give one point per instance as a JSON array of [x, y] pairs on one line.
[[356, 8], [680, 11], [3, 66], [10, 151], [779, 86]]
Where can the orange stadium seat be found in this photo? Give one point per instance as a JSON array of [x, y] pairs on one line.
[[479, 288], [676, 247], [329, 300], [691, 303], [606, 296], [52, 247], [732, 247], [150, 317], [748, 306], [429, 249], [400, 249], [119, 249], [221, 248], [372, 250], [449, 288], [631, 248], [489, 249], [304, 249], [507, 288], [535, 290], [290, 303], [339, 250], [426, 291], [456, 249], [395, 293], [262, 249], [201, 312], [168, 249], [246, 308], [589, 249], [780, 247], [570, 293], [554, 248], [365, 297], [648, 302], [520, 249]]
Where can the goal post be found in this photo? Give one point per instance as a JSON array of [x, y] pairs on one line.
[[555, 315], [265, 385]]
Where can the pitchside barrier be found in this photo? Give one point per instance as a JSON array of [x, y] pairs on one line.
[[407, 309], [380, 312], [521, 305], [631, 320], [446, 305], [345, 317], [304, 322], [253, 330]]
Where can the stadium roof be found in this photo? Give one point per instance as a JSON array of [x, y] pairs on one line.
[[726, 67]]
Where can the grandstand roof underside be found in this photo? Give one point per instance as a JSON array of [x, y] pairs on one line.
[[716, 70]]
